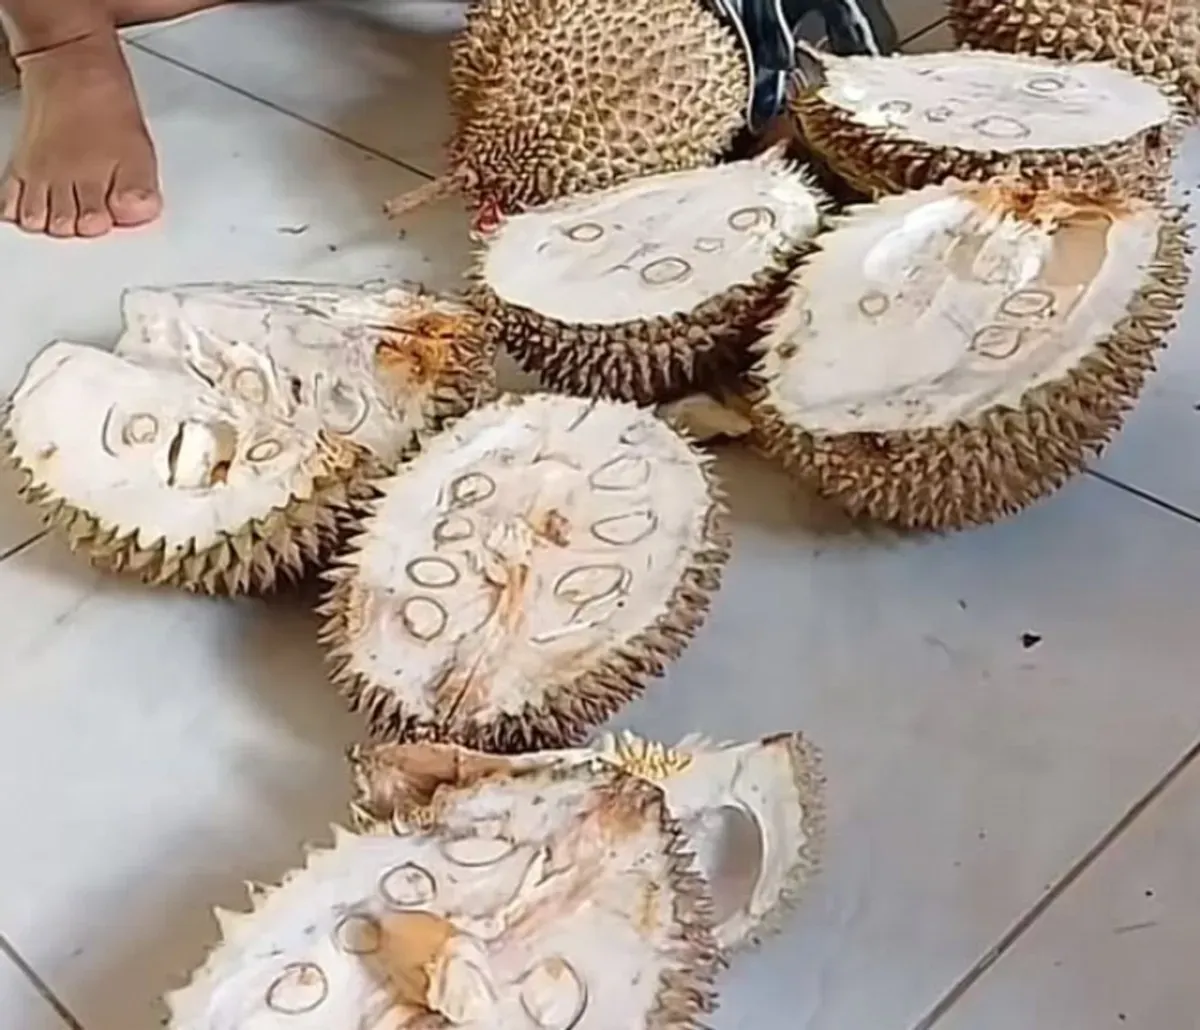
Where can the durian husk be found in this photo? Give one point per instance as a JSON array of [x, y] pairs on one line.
[[322, 479], [974, 470], [652, 87], [775, 785], [644, 354], [473, 695], [879, 153], [1158, 39], [575, 871]]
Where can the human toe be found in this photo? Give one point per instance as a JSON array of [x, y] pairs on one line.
[[63, 214], [91, 202], [135, 198], [34, 210], [10, 198]]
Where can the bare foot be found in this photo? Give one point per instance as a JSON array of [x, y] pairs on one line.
[[83, 161]]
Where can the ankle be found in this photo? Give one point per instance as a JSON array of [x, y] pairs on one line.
[[86, 30], [83, 50]]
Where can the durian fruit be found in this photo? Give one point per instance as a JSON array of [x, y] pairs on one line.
[[1159, 39], [556, 898], [753, 813], [525, 575], [382, 364], [145, 470], [953, 354], [650, 289], [554, 97], [896, 123]]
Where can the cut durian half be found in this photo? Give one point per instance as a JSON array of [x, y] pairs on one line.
[[561, 898], [907, 121], [525, 575], [147, 471], [753, 813], [649, 290], [383, 365], [953, 354], [628, 71], [1158, 39]]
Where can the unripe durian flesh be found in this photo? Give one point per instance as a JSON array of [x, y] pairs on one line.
[[1159, 39], [555, 97], [525, 575], [753, 813], [648, 290], [548, 899], [953, 354], [891, 124]]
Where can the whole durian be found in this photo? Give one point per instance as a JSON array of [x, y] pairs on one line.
[[554, 97], [1159, 39], [953, 354]]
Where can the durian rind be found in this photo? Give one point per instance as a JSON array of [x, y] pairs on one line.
[[878, 157], [976, 470], [538, 847], [645, 358], [479, 697], [1157, 39]]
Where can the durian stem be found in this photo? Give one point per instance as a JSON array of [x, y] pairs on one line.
[[443, 186]]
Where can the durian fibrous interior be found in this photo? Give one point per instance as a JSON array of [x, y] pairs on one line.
[[526, 574], [382, 364], [560, 898]]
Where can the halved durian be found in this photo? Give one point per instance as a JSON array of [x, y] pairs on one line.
[[648, 290], [1159, 39], [382, 364], [951, 355], [525, 575], [903, 122], [561, 898], [145, 470], [753, 813]]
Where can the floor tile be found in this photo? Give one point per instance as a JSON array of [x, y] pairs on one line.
[[932, 39], [1119, 948], [23, 1007], [250, 193], [984, 702]]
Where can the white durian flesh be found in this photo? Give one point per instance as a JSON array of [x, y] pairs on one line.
[[526, 575], [146, 470], [648, 290], [383, 364], [753, 813], [561, 898]]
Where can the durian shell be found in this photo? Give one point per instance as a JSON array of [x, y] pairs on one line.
[[554, 97], [385, 364], [696, 340], [879, 159], [571, 878], [773, 786], [1159, 39], [470, 696], [279, 543], [977, 469]]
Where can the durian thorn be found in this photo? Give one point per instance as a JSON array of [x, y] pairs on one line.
[[428, 193]]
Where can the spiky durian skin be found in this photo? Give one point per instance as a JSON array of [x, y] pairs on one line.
[[281, 547], [554, 97], [1158, 39], [876, 164], [974, 473], [646, 362]]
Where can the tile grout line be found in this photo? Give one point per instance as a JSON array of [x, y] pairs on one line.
[[946, 1003], [39, 985], [1144, 495], [24, 545]]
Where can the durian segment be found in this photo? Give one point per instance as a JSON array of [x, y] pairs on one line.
[[146, 471], [753, 813], [526, 575], [951, 355], [1159, 39], [910, 120], [555, 97], [381, 364], [561, 898], [647, 290]]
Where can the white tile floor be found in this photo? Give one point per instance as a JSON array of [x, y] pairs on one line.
[[1000, 710]]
